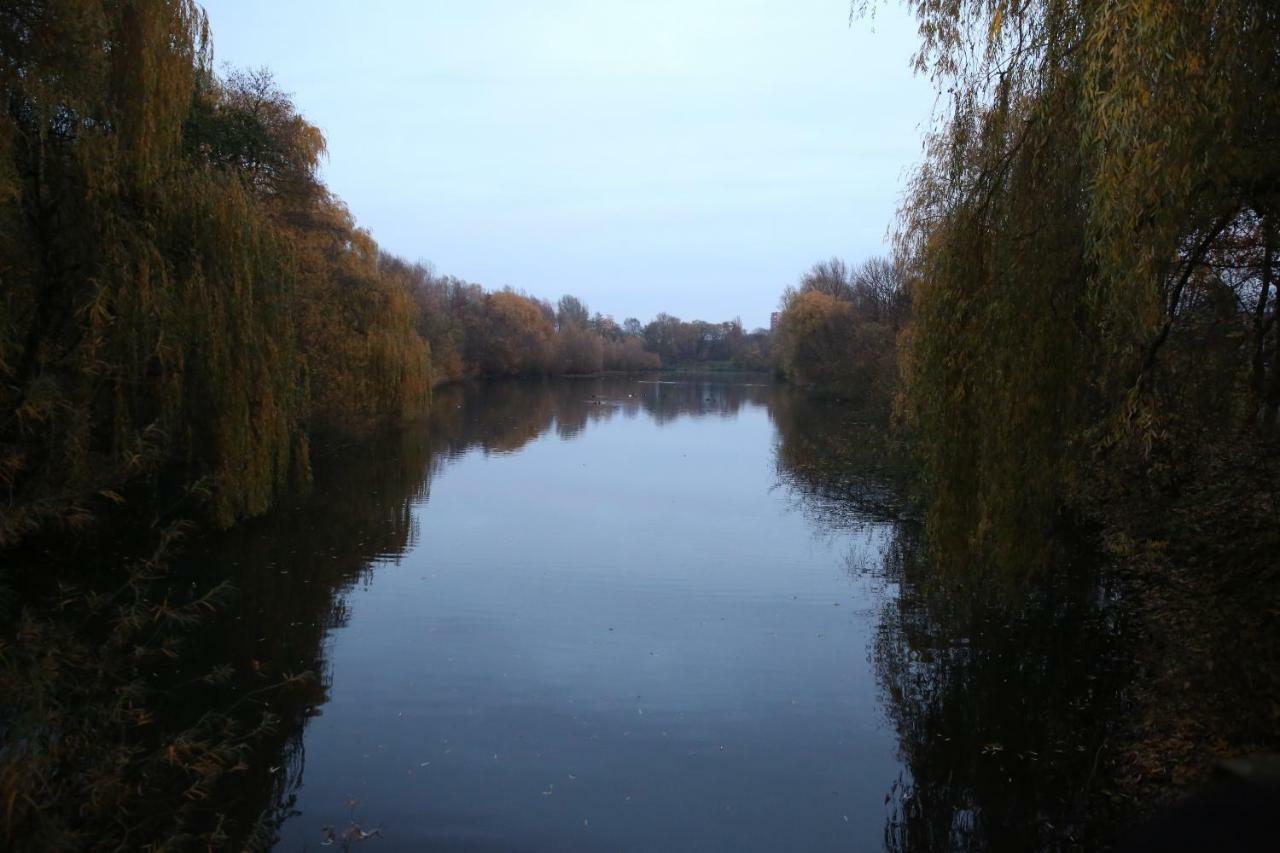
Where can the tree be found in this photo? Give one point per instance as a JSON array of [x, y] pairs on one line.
[[147, 312], [571, 312], [515, 336], [605, 326], [1105, 176], [880, 291], [246, 125], [578, 350], [824, 345], [629, 354], [660, 336], [183, 299], [830, 277]]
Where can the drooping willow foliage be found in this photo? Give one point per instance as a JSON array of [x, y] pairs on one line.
[[180, 298], [1091, 240]]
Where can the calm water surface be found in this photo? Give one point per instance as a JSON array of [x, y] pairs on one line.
[[658, 614]]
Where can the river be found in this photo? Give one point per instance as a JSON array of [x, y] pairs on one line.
[[668, 613]]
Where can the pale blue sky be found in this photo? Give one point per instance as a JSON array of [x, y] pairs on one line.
[[692, 156]]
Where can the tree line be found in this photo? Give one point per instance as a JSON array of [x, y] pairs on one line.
[[186, 306], [474, 332]]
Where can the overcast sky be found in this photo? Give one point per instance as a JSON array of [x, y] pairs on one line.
[[690, 156]]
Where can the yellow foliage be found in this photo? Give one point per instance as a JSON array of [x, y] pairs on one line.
[[517, 337], [822, 343], [1088, 234], [186, 301]]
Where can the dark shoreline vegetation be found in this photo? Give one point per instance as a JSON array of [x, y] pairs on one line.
[[1077, 338]]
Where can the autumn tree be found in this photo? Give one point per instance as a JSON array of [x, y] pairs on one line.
[[880, 291], [824, 345], [1091, 243], [578, 350], [514, 338], [838, 328], [449, 311], [177, 280], [606, 327], [364, 359], [628, 354], [147, 297]]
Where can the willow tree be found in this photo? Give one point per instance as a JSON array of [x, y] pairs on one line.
[[1096, 206], [146, 297], [364, 359], [183, 299]]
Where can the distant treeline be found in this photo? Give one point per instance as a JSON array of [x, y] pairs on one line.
[[475, 332], [185, 303]]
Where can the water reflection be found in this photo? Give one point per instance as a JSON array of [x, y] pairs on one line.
[[1001, 702], [503, 416], [1000, 691], [975, 724], [292, 571], [844, 465]]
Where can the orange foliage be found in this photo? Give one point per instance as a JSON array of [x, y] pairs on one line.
[[516, 336]]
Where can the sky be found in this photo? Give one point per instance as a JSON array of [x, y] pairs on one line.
[[687, 156]]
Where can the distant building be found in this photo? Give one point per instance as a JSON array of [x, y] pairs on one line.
[[773, 322]]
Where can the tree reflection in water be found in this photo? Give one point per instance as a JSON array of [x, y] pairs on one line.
[[1000, 695], [1001, 691], [1002, 700], [294, 568]]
